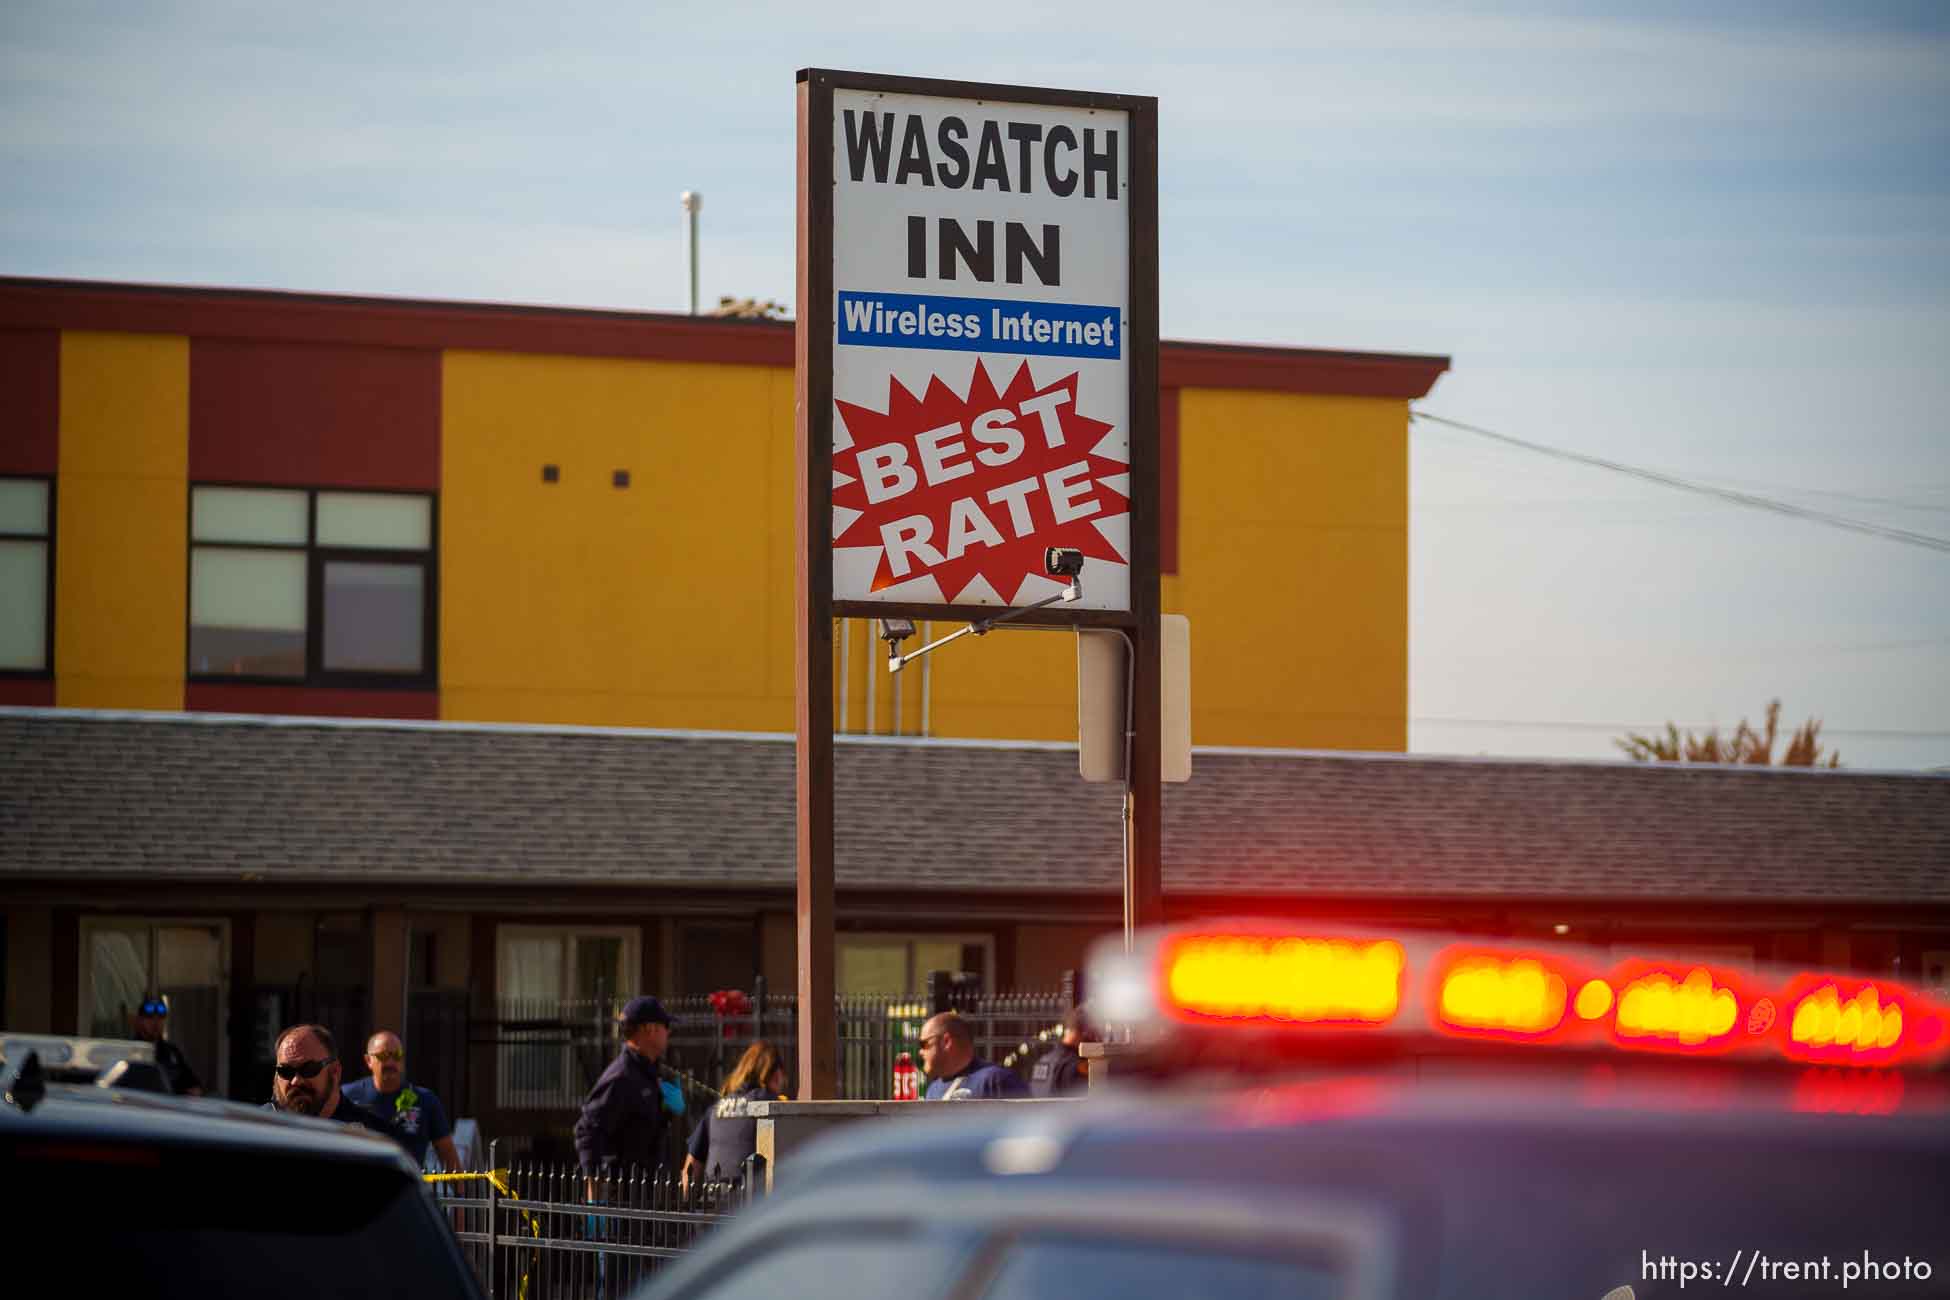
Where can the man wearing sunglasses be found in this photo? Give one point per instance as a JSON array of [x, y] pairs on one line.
[[955, 1073], [307, 1082], [148, 1024], [417, 1117]]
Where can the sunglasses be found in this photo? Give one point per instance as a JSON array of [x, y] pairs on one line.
[[302, 1069], [386, 1056], [154, 1009]]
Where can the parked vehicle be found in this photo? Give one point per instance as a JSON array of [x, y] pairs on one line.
[[1300, 1115], [112, 1191], [108, 1062]]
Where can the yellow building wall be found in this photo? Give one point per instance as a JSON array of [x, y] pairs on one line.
[[121, 549], [1293, 546], [668, 603], [671, 603], [1292, 566]]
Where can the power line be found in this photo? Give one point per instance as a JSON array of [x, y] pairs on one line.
[[1880, 498], [1689, 485], [1561, 724]]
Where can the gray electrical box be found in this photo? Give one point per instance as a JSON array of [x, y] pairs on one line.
[[1102, 662]]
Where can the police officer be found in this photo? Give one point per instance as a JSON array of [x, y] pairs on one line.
[[149, 1023], [624, 1118], [726, 1137], [1062, 1071]]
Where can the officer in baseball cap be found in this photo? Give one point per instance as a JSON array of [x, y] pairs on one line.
[[627, 1114], [149, 1022]]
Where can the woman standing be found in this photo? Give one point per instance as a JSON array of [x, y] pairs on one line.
[[729, 1134]]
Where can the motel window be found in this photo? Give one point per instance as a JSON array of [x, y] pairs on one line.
[[26, 576], [899, 963], [550, 965], [127, 960], [559, 989], [312, 586]]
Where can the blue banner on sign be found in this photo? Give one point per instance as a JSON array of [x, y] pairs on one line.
[[915, 320]]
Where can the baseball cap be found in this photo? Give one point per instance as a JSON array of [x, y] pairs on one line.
[[644, 1010], [154, 1007]]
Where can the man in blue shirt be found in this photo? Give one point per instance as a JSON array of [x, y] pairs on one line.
[[954, 1071], [412, 1114]]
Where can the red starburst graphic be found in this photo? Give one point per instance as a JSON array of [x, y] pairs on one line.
[[960, 488]]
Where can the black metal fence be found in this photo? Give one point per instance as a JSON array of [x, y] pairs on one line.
[[547, 1054], [546, 1232]]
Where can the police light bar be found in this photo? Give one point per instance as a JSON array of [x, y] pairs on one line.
[[1279, 977], [1331, 983], [71, 1053]]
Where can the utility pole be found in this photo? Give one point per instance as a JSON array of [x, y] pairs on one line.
[[693, 202]]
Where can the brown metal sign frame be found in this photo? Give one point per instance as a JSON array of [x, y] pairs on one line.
[[814, 343]]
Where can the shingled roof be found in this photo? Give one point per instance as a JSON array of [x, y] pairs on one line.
[[206, 797]]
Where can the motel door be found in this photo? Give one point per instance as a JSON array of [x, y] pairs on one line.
[[125, 960]]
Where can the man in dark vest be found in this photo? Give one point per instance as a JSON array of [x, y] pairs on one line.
[[1062, 1071]]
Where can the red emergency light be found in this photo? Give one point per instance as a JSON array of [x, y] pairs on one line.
[[1313, 981], [1853, 1021], [1281, 979], [1500, 994]]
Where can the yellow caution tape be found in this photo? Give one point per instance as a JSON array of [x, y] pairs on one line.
[[499, 1178]]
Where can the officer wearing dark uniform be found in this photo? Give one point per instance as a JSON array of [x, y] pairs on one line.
[[726, 1136], [623, 1120], [1061, 1071], [148, 1024]]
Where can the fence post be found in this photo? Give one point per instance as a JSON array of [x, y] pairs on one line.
[[493, 1247], [754, 1175]]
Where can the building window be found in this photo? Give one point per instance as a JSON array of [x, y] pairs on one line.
[[26, 576], [126, 960], [559, 990], [312, 586], [899, 963]]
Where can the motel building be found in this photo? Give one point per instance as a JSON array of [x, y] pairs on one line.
[[386, 661]]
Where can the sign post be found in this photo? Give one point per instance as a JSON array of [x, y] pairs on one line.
[[977, 352]]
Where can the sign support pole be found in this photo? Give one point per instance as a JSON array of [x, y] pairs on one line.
[[1144, 868], [897, 284], [813, 398]]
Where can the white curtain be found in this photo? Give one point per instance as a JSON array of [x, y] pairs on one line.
[[531, 968], [118, 968]]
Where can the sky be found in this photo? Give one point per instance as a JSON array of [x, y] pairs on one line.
[[1711, 241]]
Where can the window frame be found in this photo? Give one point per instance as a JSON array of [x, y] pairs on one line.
[[550, 1060], [317, 557], [216, 1077], [46, 671], [629, 960], [917, 978]]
